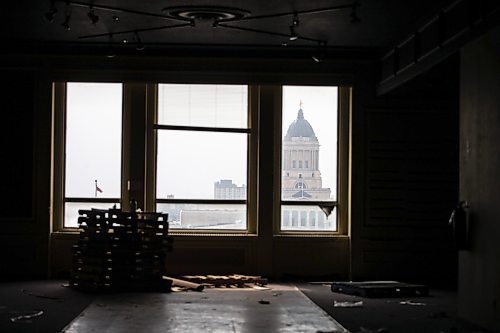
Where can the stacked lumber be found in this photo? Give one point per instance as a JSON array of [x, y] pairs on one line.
[[120, 250], [225, 280]]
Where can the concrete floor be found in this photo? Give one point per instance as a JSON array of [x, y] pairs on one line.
[[282, 309]]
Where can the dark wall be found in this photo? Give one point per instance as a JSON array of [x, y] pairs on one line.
[[479, 266], [405, 153], [25, 166], [17, 159]]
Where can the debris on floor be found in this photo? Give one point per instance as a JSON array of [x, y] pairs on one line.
[[27, 316], [54, 298], [257, 287], [348, 304], [226, 281], [410, 302], [182, 285], [264, 302], [380, 289]]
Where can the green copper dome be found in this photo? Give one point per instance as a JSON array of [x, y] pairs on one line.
[[300, 128]]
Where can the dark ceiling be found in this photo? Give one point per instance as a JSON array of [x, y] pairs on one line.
[[382, 23]]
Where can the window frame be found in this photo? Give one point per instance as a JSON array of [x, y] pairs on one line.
[[252, 132], [59, 134], [343, 175]]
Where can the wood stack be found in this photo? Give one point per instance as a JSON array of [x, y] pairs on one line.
[[236, 280], [121, 250]]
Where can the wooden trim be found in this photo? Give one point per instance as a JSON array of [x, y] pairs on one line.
[[151, 147], [202, 201], [344, 110], [103, 200], [58, 138], [201, 129], [308, 203]]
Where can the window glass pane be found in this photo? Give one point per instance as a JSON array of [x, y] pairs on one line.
[[204, 216], [203, 105], [71, 211], [309, 143], [307, 218], [93, 140], [199, 165]]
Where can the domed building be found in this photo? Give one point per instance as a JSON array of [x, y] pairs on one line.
[[301, 178], [300, 163]]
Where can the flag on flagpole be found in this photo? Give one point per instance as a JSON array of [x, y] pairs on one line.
[[97, 188]]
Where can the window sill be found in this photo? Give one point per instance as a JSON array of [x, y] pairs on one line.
[[329, 235], [193, 233]]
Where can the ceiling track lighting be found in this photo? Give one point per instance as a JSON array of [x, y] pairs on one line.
[[139, 46], [295, 23], [354, 13], [199, 16], [51, 13], [67, 18], [111, 50], [92, 15], [321, 52]]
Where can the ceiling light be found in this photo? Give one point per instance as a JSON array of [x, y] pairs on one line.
[[111, 50], [354, 13], [295, 23], [209, 16], [320, 53], [293, 34], [92, 15], [65, 24], [49, 16], [67, 18], [139, 46]]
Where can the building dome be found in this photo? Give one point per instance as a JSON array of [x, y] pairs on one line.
[[300, 128]]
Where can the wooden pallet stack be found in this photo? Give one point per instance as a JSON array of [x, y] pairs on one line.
[[120, 250]]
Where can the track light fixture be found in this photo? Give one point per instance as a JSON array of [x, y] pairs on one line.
[[65, 24], [92, 15], [111, 50], [354, 13], [320, 54], [295, 23], [67, 13], [293, 34], [139, 46], [51, 13]]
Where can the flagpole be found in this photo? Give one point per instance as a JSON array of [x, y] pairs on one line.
[[96, 188]]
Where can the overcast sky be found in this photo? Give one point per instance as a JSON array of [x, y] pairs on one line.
[[188, 163]]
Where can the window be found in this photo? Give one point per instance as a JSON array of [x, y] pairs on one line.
[[190, 150], [310, 133], [202, 172], [92, 148]]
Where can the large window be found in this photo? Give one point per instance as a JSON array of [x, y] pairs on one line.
[[195, 151], [92, 150], [309, 155], [202, 171]]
